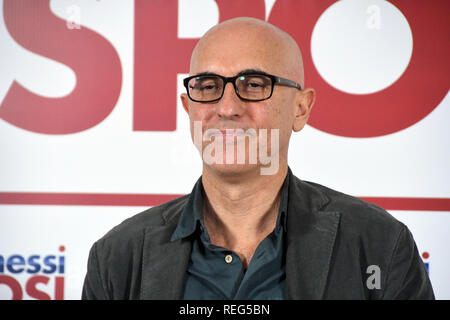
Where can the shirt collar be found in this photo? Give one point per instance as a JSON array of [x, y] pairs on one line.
[[282, 212], [192, 215]]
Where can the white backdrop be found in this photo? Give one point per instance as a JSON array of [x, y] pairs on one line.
[[358, 47]]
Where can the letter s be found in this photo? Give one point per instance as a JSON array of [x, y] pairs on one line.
[[33, 291], [93, 59]]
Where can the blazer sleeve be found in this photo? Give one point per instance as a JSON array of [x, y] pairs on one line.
[[93, 288], [407, 277]]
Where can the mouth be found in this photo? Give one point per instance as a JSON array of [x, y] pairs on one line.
[[229, 133]]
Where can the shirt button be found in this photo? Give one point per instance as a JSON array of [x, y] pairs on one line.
[[228, 258]]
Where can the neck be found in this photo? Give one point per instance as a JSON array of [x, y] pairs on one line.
[[241, 209]]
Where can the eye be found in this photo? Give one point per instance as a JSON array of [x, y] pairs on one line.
[[254, 82], [208, 86], [203, 86]]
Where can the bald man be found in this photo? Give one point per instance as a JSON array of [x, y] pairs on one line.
[[250, 229]]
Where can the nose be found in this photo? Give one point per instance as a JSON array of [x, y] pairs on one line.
[[230, 106]]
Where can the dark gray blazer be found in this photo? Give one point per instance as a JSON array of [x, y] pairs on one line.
[[332, 238]]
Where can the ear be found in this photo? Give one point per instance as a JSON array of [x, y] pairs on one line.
[[185, 101], [304, 103]]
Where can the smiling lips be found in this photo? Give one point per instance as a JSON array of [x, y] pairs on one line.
[[229, 132]]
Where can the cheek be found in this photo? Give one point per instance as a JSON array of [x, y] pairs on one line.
[[280, 117], [200, 116], [200, 112], [273, 115], [263, 114]]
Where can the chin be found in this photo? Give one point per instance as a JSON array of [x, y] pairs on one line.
[[237, 157], [240, 170], [232, 170]]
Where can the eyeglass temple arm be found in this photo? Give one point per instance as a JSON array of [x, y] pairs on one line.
[[287, 82]]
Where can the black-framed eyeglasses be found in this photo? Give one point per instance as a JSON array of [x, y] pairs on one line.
[[248, 85]]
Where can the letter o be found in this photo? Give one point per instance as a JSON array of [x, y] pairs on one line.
[[14, 285], [419, 90]]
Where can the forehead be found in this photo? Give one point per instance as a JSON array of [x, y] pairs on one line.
[[230, 50]]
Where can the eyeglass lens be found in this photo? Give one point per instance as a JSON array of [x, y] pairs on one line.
[[250, 87]]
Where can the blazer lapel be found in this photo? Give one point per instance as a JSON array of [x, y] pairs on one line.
[[310, 240], [164, 264], [311, 233]]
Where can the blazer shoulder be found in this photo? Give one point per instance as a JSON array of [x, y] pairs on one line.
[[355, 211], [155, 216], [115, 260]]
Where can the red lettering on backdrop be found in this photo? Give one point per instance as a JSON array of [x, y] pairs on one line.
[[14, 285], [31, 287], [92, 58], [160, 55], [59, 288], [236, 8], [412, 97], [33, 292]]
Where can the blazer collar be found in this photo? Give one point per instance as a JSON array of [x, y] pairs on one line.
[[311, 233], [164, 262]]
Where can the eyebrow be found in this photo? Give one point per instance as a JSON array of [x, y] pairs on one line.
[[240, 73], [249, 71]]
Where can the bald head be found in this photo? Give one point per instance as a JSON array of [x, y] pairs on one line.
[[241, 46], [247, 43]]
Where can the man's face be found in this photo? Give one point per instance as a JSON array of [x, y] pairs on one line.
[[227, 53]]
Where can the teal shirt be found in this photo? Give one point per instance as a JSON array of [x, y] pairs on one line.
[[216, 273]]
